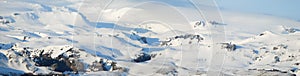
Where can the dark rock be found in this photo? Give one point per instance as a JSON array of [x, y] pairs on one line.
[[270, 70], [16, 14], [275, 48], [277, 59], [294, 69], [256, 51], [291, 30], [229, 46], [63, 63], [61, 66], [261, 34], [105, 65], [97, 66], [200, 23], [142, 57], [44, 61], [186, 36]]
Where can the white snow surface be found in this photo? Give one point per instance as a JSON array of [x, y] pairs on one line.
[[114, 30]]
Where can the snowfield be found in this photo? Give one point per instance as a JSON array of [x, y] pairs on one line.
[[144, 38]]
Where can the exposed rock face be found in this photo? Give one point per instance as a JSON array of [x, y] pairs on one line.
[[142, 57], [199, 23], [229, 46], [97, 66], [58, 59], [106, 65], [187, 38], [60, 63], [272, 72], [291, 30]]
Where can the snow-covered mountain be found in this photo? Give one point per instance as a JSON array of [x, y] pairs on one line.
[[108, 37]]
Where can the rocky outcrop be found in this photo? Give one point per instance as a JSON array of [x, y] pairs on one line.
[[272, 72], [229, 46], [142, 57], [59, 59], [187, 38], [291, 30]]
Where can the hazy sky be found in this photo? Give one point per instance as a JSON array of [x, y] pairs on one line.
[[282, 8]]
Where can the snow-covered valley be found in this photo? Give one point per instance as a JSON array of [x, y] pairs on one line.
[[143, 38]]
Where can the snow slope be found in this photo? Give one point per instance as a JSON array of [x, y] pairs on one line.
[[78, 37]]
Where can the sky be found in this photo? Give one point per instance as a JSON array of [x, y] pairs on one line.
[[281, 8]]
